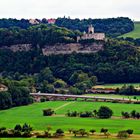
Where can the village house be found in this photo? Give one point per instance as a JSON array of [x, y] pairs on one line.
[[51, 21], [91, 35], [33, 21]]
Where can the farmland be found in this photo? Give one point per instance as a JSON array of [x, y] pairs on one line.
[[32, 114], [135, 33]]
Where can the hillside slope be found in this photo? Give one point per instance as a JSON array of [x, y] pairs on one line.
[[135, 33]]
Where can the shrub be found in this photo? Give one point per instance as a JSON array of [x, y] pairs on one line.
[[17, 133], [104, 112], [103, 130], [86, 114], [59, 132], [48, 112], [72, 114], [125, 114], [26, 128], [26, 134], [82, 132], [92, 131], [122, 134], [129, 131], [2, 128], [18, 127]]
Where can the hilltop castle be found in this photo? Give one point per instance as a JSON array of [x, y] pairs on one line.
[[91, 35]]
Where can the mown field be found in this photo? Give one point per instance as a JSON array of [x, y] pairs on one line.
[[32, 115], [136, 85], [135, 33], [114, 96]]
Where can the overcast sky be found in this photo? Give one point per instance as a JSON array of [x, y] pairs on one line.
[[72, 8]]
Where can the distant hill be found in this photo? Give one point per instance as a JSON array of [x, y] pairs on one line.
[[135, 33]]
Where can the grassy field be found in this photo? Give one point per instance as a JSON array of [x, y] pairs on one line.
[[32, 114], [136, 85], [135, 33], [114, 96]]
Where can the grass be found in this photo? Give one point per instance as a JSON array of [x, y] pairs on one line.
[[113, 96], [135, 33], [136, 85], [32, 115]]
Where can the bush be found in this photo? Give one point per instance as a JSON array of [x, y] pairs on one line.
[[125, 114], [103, 130], [26, 128], [129, 131], [48, 112], [92, 131], [2, 128], [86, 114], [72, 114], [18, 127], [122, 134], [104, 112], [26, 134], [59, 132]]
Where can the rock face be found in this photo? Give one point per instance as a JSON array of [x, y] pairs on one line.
[[18, 47], [59, 48], [72, 47]]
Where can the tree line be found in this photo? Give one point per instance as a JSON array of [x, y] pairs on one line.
[[111, 26]]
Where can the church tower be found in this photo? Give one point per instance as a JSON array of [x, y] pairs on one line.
[[90, 29]]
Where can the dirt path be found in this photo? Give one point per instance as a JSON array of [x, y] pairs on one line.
[[62, 106]]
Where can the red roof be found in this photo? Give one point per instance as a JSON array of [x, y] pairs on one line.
[[51, 20]]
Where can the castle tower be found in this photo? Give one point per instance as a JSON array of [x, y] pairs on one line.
[[90, 29]]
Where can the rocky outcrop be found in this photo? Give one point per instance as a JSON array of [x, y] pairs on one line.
[[72, 47], [59, 48], [18, 47]]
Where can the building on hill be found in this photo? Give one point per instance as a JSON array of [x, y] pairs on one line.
[[33, 21], [51, 21], [91, 35]]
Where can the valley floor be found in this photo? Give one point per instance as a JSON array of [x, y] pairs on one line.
[[32, 115]]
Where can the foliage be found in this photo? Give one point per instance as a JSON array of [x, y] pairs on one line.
[[48, 112], [133, 114], [112, 26], [104, 112], [92, 131], [5, 100], [122, 134], [60, 84]]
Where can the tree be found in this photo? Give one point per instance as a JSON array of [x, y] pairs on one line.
[[105, 112], [59, 132], [5, 100], [18, 127], [129, 131], [82, 132], [60, 83], [46, 74], [103, 130], [92, 131], [48, 112]]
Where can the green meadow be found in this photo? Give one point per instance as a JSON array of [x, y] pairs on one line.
[[135, 33], [32, 115]]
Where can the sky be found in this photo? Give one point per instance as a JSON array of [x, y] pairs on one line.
[[70, 8]]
